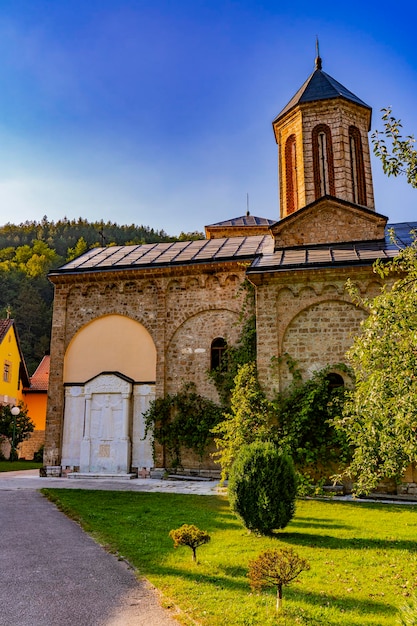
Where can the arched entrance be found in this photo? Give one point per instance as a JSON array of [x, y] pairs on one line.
[[109, 378]]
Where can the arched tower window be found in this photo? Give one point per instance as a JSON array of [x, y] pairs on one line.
[[291, 174], [323, 161], [356, 166], [218, 358]]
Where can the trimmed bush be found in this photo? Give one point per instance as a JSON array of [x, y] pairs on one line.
[[276, 568], [191, 536], [262, 487]]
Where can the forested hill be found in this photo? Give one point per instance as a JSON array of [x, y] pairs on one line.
[[65, 234], [30, 250]]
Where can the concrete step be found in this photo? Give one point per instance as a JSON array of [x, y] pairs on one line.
[[78, 475], [189, 477]]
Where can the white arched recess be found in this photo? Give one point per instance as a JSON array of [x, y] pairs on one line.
[[109, 378]]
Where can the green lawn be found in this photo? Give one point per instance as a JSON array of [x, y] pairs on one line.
[[14, 466], [363, 556]]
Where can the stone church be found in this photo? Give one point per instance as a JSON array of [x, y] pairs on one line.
[[132, 323]]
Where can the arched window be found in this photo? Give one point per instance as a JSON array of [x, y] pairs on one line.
[[335, 380], [291, 174], [356, 166], [323, 161], [218, 354]]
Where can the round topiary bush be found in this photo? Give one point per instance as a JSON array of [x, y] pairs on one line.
[[262, 487]]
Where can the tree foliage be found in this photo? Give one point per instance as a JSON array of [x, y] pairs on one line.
[[299, 419], [262, 487], [249, 419], [243, 352], [20, 425], [191, 536], [65, 234], [276, 568], [305, 413], [380, 417], [182, 420], [397, 153]]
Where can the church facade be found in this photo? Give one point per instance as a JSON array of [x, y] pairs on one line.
[[132, 323]]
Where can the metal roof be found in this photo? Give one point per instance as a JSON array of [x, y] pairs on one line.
[[245, 220], [320, 86], [169, 254], [352, 253], [259, 249]]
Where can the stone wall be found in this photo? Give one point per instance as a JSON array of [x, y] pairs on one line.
[[329, 221], [183, 309], [308, 315], [27, 448]]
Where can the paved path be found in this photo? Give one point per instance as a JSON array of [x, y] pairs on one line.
[[52, 573]]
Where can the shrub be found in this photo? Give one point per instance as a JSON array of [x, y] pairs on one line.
[[182, 420], [276, 568], [38, 456], [189, 535], [306, 411], [262, 487]]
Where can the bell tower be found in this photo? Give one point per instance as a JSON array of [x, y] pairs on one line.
[[323, 147]]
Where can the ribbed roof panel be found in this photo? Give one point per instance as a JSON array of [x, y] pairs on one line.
[[320, 86]]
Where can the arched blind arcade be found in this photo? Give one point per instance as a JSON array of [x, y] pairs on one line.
[[357, 167], [291, 174], [323, 161]]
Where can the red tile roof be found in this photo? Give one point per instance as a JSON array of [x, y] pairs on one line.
[[40, 379]]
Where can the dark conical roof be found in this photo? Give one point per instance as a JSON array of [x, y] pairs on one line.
[[246, 220], [320, 86]]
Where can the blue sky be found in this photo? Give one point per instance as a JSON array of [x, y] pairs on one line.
[[158, 112]]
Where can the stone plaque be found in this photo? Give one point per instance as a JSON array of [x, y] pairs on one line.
[[104, 450]]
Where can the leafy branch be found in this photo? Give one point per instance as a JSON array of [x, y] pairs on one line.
[[397, 153], [182, 420]]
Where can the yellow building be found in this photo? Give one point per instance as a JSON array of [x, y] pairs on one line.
[[14, 375], [16, 387]]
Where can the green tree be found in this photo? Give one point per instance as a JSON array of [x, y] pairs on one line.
[[191, 536], [276, 568], [249, 419], [305, 414], [236, 356], [380, 416], [80, 247], [182, 420], [16, 428], [33, 320], [262, 487], [397, 153]]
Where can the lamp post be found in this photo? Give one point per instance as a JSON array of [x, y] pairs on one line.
[[15, 412]]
